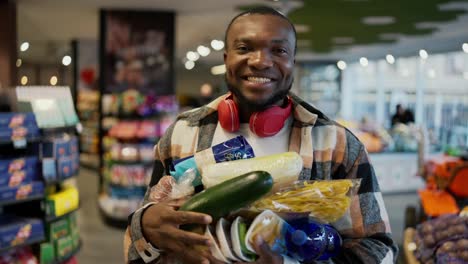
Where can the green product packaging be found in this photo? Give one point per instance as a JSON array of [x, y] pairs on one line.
[[63, 246], [47, 253], [57, 230]]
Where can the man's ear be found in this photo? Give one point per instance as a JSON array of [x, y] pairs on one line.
[[224, 56]]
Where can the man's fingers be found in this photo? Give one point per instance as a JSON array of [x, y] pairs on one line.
[[187, 254], [186, 237], [261, 247], [184, 217]]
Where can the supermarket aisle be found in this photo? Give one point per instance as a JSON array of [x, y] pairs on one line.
[[100, 243]]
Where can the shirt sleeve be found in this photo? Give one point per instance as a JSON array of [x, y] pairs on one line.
[[366, 230], [135, 245]]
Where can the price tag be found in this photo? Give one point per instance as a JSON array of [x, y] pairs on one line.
[[19, 143]]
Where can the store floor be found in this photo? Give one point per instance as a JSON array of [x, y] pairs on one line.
[[103, 244]]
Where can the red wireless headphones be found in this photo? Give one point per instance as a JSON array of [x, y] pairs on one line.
[[263, 124]]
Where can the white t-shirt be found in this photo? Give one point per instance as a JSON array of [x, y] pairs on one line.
[[261, 146]]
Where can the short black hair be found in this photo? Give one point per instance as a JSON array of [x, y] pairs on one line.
[[262, 10]]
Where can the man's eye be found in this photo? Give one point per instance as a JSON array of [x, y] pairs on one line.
[[281, 51], [242, 48]]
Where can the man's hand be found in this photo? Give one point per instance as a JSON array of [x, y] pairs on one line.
[[160, 225], [265, 255]]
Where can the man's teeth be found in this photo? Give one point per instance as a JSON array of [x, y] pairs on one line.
[[258, 79]]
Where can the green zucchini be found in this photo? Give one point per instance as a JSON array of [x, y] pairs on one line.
[[230, 195]]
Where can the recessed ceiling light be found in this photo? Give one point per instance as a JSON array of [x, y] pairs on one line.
[[53, 80], [193, 56], [217, 44], [66, 60], [189, 65], [465, 47], [203, 51], [24, 80], [341, 65], [301, 28], [364, 61], [217, 70], [390, 59], [24, 46], [378, 20], [343, 40], [19, 62], [423, 54]]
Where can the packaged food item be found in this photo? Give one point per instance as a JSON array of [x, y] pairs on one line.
[[232, 149], [326, 201], [284, 168]]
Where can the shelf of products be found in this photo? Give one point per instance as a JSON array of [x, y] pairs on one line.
[[128, 150], [34, 184]]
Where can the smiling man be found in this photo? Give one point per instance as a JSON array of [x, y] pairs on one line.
[[260, 58]]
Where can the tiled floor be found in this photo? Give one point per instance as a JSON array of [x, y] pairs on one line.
[[103, 244]]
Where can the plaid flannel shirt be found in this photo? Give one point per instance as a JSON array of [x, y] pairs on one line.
[[329, 151]]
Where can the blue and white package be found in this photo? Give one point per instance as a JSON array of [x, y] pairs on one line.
[[232, 149]]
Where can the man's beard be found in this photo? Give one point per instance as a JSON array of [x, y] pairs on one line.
[[256, 106]]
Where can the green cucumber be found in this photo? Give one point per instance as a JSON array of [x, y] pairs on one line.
[[230, 195]]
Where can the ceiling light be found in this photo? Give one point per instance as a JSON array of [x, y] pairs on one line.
[[193, 56], [431, 73], [217, 70], [301, 28], [217, 44], [189, 65], [341, 65], [378, 20], [24, 80], [364, 62], [203, 51], [66, 60], [390, 59], [465, 47], [53, 80], [24, 46], [343, 40], [19, 62], [423, 54]]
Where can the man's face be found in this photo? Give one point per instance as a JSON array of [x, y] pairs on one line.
[[259, 59]]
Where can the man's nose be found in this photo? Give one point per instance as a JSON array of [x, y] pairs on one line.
[[260, 59]]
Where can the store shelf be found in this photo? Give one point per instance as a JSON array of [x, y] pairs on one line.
[[54, 182], [126, 162], [28, 199], [49, 218], [28, 140], [133, 117], [57, 130], [69, 256], [32, 242]]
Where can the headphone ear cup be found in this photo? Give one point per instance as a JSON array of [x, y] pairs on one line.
[[269, 122], [228, 115]]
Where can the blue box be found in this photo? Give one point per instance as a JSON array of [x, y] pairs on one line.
[[56, 148], [23, 191], [17, 230], [11, 165], [75, 163], [16, 178], [10, 120], [65, 167], [30, 132], [74, 145]]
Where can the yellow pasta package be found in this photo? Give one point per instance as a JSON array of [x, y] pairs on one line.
[[324, 200]]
